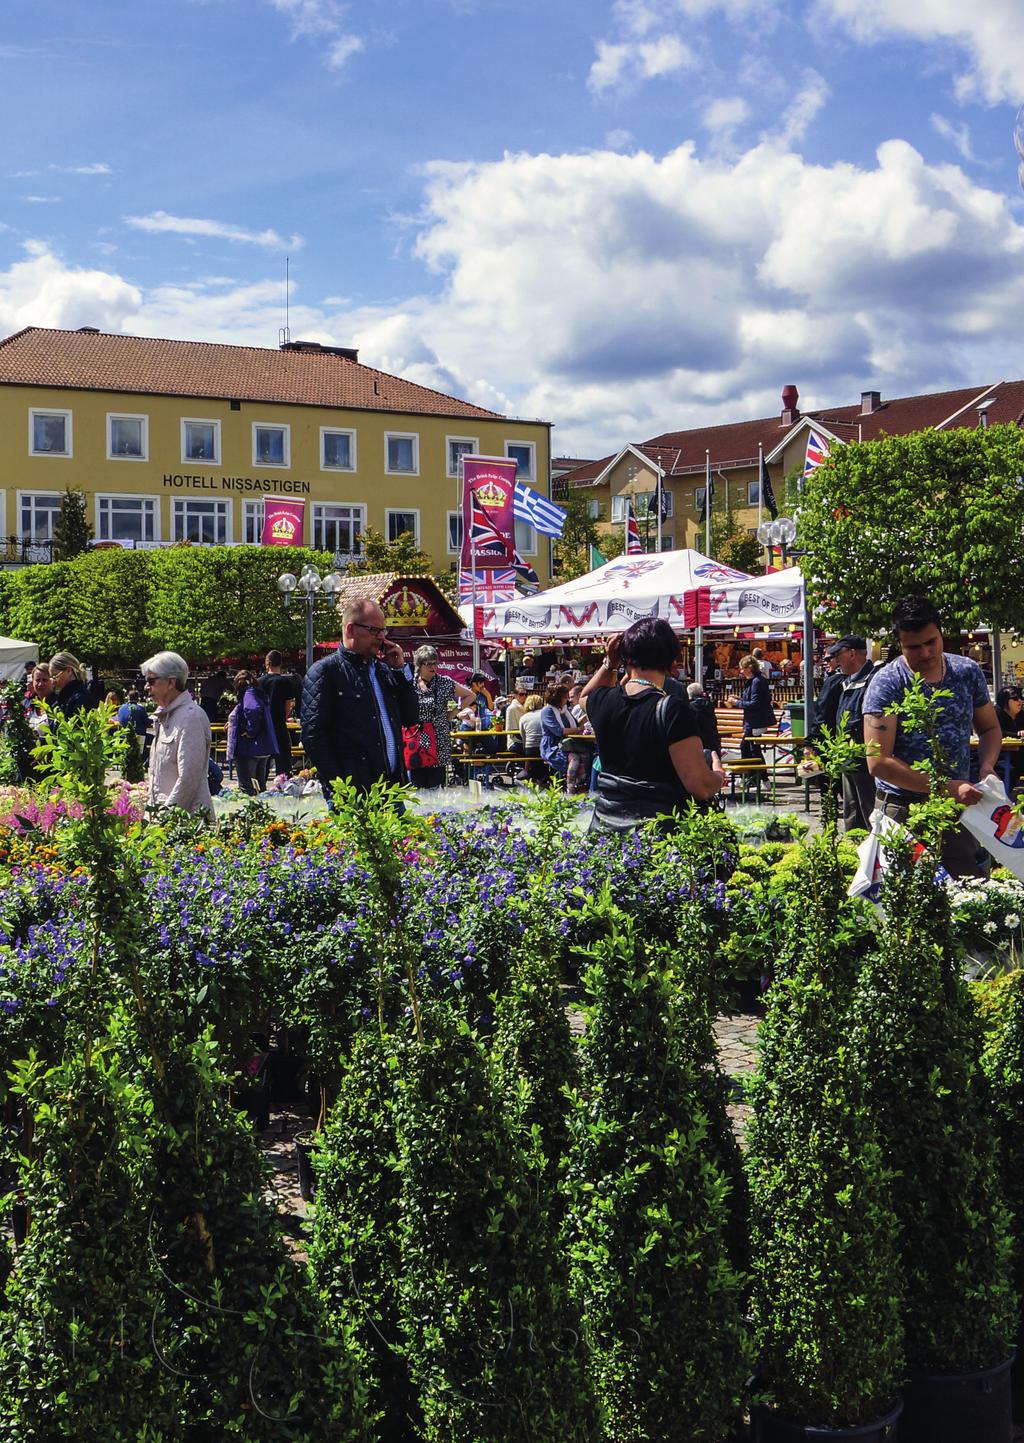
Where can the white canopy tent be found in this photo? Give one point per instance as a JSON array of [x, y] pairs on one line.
[[13, 656], [631, 587]]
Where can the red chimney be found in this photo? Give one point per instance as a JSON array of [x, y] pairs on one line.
[[790, 413]]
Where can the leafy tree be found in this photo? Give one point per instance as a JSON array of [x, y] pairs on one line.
[[110, 603], [402, 556], [936, 513], [580, 533], [72, 533], [42, 605]]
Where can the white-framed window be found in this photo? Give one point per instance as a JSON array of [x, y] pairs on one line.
[[127, 518], [252, 523], [594, 510], [698, 499], [337, 449], [397, 522], [337, 528], [455, 447], [127, 437], [526, 539], [37, 512], [271, 445], [49, 433], [620, 507], [402, 452], [455, 532], [667, 543], [200, 440], [753, 493], [524, 454], [207, 522]]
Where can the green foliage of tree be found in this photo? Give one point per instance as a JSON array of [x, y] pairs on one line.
[[72, 533], [571, 552], [935, 513], [42, 607], [110, 601], [8, 581], [402, 556], [1004, 1067]]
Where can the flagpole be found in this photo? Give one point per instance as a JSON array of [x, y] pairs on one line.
[[660, 499], [708, 499], [472, 568], [760, 473]]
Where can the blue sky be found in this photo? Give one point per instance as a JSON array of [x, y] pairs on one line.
[[622, 216]]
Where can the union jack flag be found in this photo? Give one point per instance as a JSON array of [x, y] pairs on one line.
[[493, 588], [484, 537], [817, 452], [634, 546]]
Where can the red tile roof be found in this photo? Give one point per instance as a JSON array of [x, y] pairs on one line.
[[99, 361], [684, 452]]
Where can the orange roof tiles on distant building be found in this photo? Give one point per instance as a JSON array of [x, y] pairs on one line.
[[302, 373]]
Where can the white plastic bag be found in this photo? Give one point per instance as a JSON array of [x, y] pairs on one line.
[[996, 826], [871, 857]]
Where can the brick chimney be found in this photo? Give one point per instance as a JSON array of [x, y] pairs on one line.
[[790, 410], [870, 401]]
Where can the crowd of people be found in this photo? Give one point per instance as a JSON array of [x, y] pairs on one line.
[[631, 732]]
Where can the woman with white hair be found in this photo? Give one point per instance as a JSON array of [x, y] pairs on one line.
[[179, 763], [435, 694]]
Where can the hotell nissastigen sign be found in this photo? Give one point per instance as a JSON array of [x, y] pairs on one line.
[[280, 484]]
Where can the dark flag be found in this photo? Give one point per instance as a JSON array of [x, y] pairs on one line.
[[767, 494]]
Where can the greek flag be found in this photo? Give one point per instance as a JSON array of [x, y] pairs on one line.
[[542, 514]]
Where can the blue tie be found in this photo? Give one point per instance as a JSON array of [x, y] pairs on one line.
[[385, 721]]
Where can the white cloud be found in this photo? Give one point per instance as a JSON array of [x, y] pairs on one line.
[[637, 60], [959, 136], [620, 295], [804, 107], [98, 167], [41, 199], [161, 222], [323, 21], [991, 36], [619, 139], [726, 113]]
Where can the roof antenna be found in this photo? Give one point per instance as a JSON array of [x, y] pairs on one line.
[[284, 333]]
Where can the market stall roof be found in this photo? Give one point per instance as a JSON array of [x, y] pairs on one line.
[[13, 656], [630, 587]]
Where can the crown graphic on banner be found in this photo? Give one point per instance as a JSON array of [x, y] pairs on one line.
[[405, 608], [490, 493], [283, 528]]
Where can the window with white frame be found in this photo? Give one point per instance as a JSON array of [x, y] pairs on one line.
[[698, 499], [667, 543], [126, 518], [526, 539], [398, 522], [402, 452], [753, 493], [620, 507], [206, 522], [252, 523], [200, 441], [127, 438], [49, 433], [594, 510], [271, 445], [455, 531], [337, 450], [524, 454], [456, 447], [337, 528], [37, 512]]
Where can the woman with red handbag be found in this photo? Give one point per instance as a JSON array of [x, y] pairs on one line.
[[428, 745]]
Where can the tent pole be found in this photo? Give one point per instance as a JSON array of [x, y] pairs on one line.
[[698, 654], [808, 666]]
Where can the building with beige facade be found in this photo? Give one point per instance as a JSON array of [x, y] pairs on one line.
[[679, 459], [182, 441]]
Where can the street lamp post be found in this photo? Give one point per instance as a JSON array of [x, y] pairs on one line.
[[308, 585], [778, 533]]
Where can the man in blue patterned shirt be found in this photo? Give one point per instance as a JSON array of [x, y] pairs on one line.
[[892, 748]]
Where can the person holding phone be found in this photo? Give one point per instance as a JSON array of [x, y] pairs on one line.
[[356, 702]]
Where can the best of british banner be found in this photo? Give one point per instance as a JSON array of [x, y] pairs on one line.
[[488, 520], [282, 522]]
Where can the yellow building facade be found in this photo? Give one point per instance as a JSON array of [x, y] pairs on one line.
[[181, 441]]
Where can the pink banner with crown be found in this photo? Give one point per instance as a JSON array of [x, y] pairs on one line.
[[488, 522], [282, 522]]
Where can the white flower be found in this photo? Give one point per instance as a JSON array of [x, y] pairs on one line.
[[989, 927], [1011, 920]]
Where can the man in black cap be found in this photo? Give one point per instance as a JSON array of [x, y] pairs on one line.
[[850, 654]]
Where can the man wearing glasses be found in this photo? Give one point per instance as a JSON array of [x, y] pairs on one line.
[[356, 702]]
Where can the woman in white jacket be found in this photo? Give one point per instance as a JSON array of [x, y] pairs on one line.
[[179, 762]]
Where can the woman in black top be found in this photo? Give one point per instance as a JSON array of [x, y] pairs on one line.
[[652, 758], [756, 701], [70, 693], [1010, 711]]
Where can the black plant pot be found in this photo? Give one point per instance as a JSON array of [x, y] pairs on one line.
[[770, 1427], [19, 1223], [1017, 1383], [307, 1177], [959, 1407]]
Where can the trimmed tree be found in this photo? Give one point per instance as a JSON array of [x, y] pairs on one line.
[[72, 533], [938, 513]]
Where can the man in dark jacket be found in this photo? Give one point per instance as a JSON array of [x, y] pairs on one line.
[[851, 654], [356, 702]]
